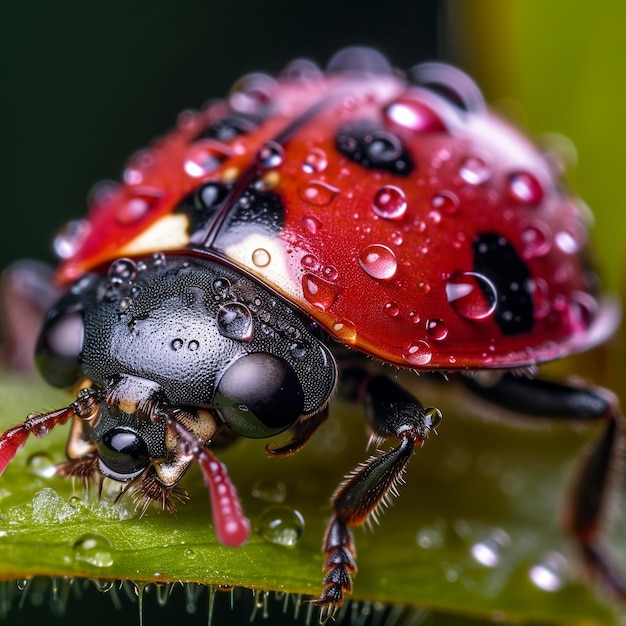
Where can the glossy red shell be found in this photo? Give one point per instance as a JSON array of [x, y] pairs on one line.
[[389, 262]]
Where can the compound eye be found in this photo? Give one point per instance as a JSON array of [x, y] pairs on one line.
[[59, 346], [123, 453], [259, 395]]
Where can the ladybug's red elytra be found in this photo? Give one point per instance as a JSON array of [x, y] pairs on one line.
[[212, 293]]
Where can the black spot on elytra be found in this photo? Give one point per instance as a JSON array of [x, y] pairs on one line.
[[230, 126], [201, 205], [253, 207], [374, 147], [495, 258], [258, 208]]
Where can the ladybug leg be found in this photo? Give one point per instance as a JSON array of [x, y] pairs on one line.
[[232, 528], [39, 424], [391, 412], [26, 294], [594, 482]]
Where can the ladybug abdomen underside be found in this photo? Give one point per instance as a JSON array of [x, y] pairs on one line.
[[425, 232]]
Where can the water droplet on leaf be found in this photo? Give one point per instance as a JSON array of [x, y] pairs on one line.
[[93, 549], [551, 573], [281, 525], [269, 490]]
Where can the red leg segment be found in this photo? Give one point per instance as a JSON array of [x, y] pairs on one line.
[[38, 424]]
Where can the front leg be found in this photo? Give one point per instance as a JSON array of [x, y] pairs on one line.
[[391, 412], [595, 480]]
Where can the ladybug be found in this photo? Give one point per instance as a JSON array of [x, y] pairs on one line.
[[254, 257]]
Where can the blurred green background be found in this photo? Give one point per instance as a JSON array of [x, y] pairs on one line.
[[87, 84]]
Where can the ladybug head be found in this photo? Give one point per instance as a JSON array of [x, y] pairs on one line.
[[198, 334]]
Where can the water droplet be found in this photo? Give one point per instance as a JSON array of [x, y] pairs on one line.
[[22, 583], [536, 241], [330, 272], [384, 147], [471, 295], [391, 308], [345, 331], [94, 549], [124, 305], [298, 349], [433, 417], [158, 259], [551, 573], [567, 242], [75, 502], [271, 154], [221, 287], [133, 209], [136, 167], [317, 193], [581, 310], [414, 115], [177, 344], [315, 161], [234, 321], [390, 203], [310, 262], [378, 261], [396, 238], [418, 353], [103, 585], [453, 573], [431, 537], [193, 345], [48, 507], [525, 188], [311, 224], [261, 257], [488, 551], [281, 525], [102, 192], [41, 464], [123, 270], [445, 202], [70, 238], [318, 292], [540, 291], [436, 329], [269, 490], [474, 170], [201, 159]]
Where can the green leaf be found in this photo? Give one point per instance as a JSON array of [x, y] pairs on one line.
[[475, 523]]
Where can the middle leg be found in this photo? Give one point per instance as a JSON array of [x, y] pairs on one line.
[[391, 411]]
